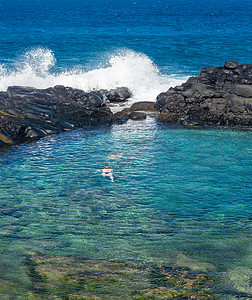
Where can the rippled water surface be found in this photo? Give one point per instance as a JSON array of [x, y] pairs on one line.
[[180, 197]]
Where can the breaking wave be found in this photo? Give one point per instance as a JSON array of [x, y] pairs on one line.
[[125, 68]]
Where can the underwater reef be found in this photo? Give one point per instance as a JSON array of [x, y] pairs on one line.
[[76, 277]]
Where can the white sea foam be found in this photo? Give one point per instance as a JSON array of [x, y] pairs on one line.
[[126, 68]]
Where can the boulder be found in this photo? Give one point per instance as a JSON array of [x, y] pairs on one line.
[[242, 90], [218, 96], [143, 106], [231, 64], [126, 114], [136, 112], [137, 115], [117, 95], [120, 117]]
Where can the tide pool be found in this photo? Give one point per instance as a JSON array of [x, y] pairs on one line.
[[180, 198]]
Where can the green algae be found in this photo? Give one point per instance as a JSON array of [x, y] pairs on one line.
[[75, 277], [241, 279]]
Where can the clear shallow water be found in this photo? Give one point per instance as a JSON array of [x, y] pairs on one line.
[[181, 197]]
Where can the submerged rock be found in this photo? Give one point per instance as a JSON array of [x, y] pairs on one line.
[[218, 96], [75, 277], [27, 113], [240, 280], [184, 261]]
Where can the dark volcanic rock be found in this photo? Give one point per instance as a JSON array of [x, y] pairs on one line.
[[231, 64], [137, 115], [120, 117], [136, 112], [28, 113], [117, 95], [218, 96], [143, 106]]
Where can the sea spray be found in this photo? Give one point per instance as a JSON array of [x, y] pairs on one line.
[[37, 68]]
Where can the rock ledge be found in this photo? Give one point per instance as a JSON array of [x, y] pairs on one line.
[[218, 96], [27, 113]]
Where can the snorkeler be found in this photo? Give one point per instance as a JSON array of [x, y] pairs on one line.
[[107, 172]]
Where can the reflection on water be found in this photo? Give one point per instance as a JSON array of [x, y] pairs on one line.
[[180, 198]]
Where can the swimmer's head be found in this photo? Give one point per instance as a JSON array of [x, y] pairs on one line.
[[106, 167]]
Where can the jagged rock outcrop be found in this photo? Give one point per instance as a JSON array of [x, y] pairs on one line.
[[28, 113], [119, 94], [218, 96]]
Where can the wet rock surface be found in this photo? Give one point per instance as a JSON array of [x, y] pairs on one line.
[[147, 106], [218, 96], [137, 115], [117, 95], [28, 113], [137, 111]]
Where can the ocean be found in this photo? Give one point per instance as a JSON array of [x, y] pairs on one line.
[[147, 46], [181, 197]]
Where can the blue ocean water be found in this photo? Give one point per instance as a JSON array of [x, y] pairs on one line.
[[181, 197], [152, 44]]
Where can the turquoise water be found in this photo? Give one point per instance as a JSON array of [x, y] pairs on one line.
[[180, 197]]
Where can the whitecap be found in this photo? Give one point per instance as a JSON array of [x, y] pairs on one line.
[[123, 68]]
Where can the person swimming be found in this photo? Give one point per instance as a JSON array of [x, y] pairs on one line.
[[107, 172]]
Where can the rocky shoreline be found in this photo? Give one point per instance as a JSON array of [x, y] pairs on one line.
[[217, 97], [27, 113]]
